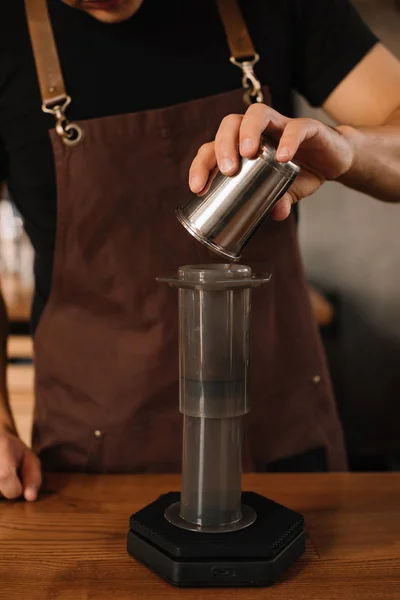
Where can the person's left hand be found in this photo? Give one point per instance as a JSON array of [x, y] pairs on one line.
[[323, 153]]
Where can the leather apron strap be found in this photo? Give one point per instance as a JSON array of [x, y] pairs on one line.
[[55, 99], [238, 36], [243, 53], [48, 67]]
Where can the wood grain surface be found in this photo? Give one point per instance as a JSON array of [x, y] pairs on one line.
[[71, 544]]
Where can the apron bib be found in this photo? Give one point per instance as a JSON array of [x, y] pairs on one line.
[[106, 347]]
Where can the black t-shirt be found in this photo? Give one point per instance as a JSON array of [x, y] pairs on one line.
[[168, 52]]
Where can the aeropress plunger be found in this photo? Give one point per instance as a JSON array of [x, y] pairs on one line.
[[212, 534]]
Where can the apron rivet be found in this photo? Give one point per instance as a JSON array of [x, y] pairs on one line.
[[316, 379], [98, 433], [52, 89]]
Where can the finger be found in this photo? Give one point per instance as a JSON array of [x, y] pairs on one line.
[[201, 166], [282, 209], [31, 474], [226, 144], [258, 118], [295, 133], [10, 485]]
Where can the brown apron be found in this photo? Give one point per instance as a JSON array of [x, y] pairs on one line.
[[106, 347]]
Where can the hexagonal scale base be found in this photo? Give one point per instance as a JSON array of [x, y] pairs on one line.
[[255, 556]]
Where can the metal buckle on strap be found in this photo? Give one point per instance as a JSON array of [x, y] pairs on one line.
[[70, 133], [250, 83]]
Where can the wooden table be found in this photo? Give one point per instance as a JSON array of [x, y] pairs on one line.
[[70, 545]]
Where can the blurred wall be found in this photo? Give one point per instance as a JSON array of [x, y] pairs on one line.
[[351, 246]]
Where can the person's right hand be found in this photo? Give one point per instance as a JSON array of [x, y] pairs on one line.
[[20, 472]]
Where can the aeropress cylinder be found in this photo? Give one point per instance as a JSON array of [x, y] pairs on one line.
[[214, 320]]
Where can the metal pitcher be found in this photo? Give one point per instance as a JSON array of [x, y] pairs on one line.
[[228, 211]]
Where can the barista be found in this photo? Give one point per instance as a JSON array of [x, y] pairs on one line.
[[138, 90]]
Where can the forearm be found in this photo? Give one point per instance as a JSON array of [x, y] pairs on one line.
[[6, 418], [375, 168]]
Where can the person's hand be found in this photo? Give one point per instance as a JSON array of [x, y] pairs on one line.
[[20, 472], [322, 153]]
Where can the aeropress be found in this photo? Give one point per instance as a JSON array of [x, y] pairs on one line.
[[212, 533]]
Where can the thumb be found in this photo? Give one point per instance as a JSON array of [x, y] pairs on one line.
[[31, 475], [282, 209]]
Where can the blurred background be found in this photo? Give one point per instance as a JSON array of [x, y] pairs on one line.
[[351, 249]]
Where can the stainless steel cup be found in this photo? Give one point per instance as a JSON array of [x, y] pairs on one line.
[[229, 210]]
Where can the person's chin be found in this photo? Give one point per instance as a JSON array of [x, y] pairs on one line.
[[108, 11], [106, 16]]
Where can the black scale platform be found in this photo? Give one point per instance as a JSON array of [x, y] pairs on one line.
[[255, 556]]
